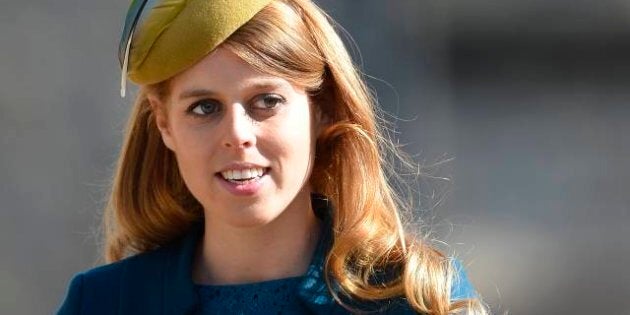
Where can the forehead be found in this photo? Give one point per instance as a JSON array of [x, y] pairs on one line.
[[223, 70]]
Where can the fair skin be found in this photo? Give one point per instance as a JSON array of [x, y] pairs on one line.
[[244, 143]]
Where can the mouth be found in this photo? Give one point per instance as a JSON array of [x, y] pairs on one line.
[[245, 175]]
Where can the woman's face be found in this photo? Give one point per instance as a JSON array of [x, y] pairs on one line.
[[244, 140]]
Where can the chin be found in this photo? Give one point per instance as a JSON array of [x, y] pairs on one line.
[[249, 217], [247, 222]]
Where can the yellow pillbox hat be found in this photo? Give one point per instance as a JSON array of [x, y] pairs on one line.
[[164, 37]]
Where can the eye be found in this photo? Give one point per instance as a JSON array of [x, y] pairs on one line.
[[268, 101], [204, 107]]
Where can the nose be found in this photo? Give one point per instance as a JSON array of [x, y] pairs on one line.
[[239, 128]]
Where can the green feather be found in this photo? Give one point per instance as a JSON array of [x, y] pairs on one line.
[[133, 15]]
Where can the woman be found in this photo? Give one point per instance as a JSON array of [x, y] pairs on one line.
[[253, 176]]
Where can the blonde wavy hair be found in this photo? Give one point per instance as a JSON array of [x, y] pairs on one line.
[[150, 205]]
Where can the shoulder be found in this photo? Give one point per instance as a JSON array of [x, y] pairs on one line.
[[461, 287], [98, 290]]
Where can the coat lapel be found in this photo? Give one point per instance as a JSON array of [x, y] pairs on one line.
[[179, 291], [159, 282], [313, 290]]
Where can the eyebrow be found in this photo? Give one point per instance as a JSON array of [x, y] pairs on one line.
[[198, 92]]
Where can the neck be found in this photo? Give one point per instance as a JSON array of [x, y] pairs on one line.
[[279, 249]]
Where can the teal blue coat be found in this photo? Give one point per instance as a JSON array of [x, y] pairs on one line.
[[159, 282]]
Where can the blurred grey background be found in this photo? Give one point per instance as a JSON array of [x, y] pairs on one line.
[[526, 100]]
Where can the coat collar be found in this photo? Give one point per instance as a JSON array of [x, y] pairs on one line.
[[174, 272]]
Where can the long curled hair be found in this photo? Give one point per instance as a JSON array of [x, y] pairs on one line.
[[150, 205]]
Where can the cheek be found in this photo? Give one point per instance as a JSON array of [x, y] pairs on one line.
[[193, 149], [294, 142], [191, 142]]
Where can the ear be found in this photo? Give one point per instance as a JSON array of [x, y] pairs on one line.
[[322, 121], [161, 121]]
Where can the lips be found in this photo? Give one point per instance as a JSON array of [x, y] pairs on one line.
[[243, 173], [245, 181]]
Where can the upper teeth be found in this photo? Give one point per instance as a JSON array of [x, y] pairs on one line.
[[243, 173]]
